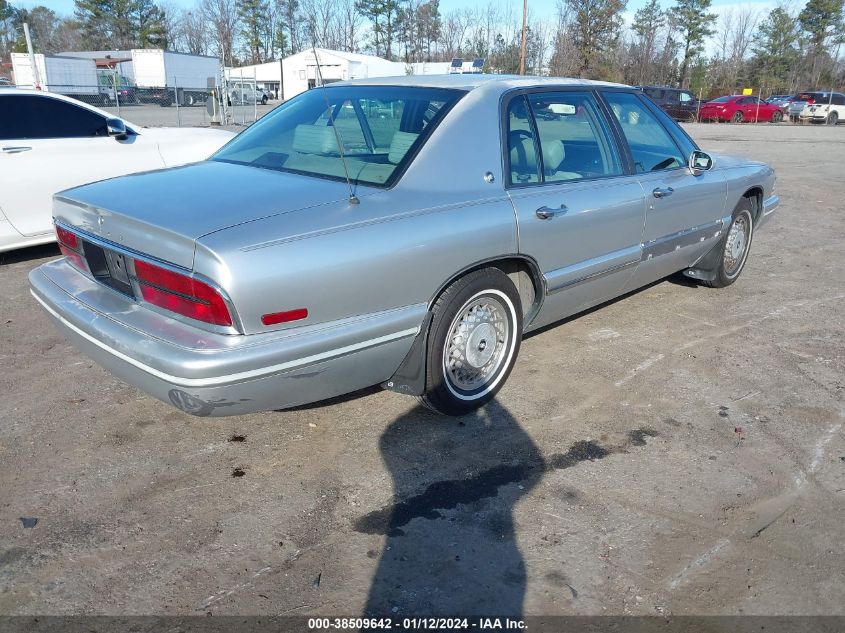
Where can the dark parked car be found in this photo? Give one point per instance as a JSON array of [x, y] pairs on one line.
[[679, 104]]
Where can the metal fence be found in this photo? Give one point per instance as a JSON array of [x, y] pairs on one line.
[[237, 103]]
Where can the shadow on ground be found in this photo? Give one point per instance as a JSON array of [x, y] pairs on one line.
[[451, 546]]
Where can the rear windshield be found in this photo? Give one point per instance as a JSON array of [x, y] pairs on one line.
[[721, 100], [814, 96], [379, 129]]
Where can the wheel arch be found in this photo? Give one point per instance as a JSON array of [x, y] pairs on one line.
[[521, 269], [755, 196]]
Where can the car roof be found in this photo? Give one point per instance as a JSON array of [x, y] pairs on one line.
[[470, 82]]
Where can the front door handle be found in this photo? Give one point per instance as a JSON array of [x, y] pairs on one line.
[[546, 213], [663, 192], [14, 149]]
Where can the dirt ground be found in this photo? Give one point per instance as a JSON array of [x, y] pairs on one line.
[[679, 451]]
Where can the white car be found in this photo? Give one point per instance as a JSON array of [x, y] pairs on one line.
[[49, 142], [818, 107]]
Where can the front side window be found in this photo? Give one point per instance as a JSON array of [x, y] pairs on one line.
[[379, 129], [574, 143], [652, 147], [40, 117]]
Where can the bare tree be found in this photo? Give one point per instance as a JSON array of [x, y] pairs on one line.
[[221, 17]]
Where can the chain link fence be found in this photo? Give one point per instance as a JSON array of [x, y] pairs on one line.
[[237, 103]]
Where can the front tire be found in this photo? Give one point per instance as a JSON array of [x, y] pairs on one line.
[[475, 335], [832, 118], [777, 117], [737, 117], [735, 247]]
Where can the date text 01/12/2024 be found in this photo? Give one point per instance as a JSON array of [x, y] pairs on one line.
[[415, 624]]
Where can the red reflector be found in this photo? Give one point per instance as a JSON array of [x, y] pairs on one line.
[[67, 238], [74, 258], [284, 317], [181, 294]]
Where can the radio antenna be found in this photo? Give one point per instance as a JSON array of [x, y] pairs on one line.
[[353, 199]]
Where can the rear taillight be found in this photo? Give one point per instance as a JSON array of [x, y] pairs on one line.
[[181, 294], [70, 247]]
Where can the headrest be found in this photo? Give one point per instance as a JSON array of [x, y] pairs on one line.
[[553, 155], [399, 146], [314, 139]]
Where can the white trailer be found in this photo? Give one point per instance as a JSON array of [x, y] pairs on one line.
[[164, 77], [71, 76]]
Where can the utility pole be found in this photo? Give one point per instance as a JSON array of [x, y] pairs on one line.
[[522, 43], [35, 78]]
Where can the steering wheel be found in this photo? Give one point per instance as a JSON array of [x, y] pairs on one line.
[[663, 164]]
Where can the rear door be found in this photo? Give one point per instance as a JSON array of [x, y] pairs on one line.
[[48, 145], [580, 212], [683, 210]]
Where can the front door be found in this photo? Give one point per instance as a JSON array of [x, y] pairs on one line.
[[683, 210], [580, 217]]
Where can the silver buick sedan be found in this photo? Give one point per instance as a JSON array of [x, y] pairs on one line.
[[400, 231]]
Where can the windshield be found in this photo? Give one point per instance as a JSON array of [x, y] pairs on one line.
[[380, 129]]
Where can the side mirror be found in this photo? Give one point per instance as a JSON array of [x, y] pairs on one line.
[[116, 128], [700, 161]]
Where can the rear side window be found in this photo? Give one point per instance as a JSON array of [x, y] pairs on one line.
[[35, 117], [652, 147], [522, 153], [686, 97], [654, 93]]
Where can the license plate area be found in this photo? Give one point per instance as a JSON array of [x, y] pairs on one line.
[[108, 267]]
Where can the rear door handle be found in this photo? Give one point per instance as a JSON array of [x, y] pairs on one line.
[[546, 213], [14, 149], [663, 192]]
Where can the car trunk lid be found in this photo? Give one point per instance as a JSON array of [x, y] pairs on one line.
[[162, 213]]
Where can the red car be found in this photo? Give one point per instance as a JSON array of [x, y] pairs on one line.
[[738, 108]]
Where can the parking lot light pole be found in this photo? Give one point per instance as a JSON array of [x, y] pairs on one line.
[[36, 80]]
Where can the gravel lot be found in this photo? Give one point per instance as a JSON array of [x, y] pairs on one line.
[[607, 478]]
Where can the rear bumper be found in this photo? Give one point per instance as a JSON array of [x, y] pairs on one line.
[[209, 374]]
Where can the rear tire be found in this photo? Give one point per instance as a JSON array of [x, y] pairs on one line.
[[473, 342], [735, 246]]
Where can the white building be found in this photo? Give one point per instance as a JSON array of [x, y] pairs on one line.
[[298, 73]]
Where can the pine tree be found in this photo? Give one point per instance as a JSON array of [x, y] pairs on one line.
[[775, 51], [595, 29], [254, 15], [823, 22], [695, 24]]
